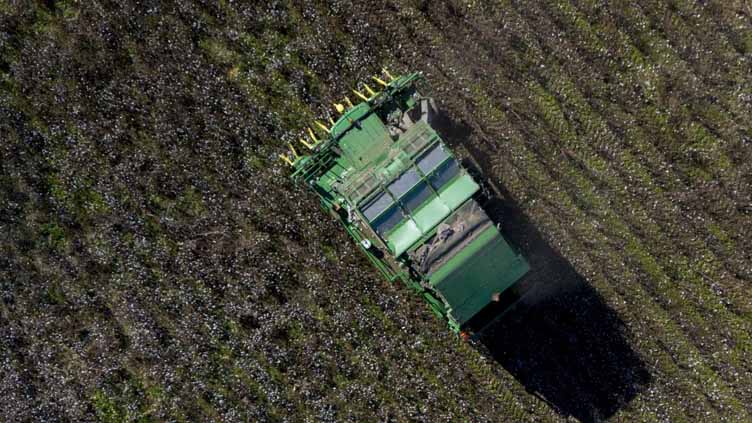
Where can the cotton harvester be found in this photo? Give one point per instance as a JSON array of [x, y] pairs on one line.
[[402, 195]]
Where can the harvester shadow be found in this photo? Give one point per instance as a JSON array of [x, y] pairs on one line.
[[561, 340]]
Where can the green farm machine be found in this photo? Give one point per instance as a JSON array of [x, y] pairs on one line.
[[399, 191]]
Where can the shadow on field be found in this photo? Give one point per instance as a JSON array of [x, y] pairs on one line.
[[561, 341]]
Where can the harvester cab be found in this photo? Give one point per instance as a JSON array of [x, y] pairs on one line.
[[402, 195]]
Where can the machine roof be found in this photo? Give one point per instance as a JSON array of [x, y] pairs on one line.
[[371, 165], [372, 160]]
